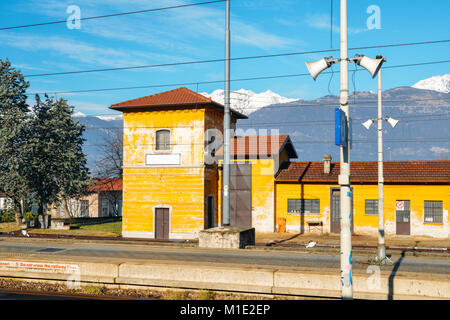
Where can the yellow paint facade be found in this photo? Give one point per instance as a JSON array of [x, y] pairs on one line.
[[364, 223], [262, 200], [180, 180], [263, 186], [182, 188]]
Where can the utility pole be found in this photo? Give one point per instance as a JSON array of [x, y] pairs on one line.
[[381, 241], [226, 124], [344, 176]]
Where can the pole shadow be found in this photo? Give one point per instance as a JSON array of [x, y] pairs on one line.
[[392, 276]]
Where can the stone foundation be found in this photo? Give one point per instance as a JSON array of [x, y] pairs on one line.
[[227, 237]]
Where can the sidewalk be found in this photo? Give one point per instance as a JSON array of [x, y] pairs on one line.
[[362, 240]]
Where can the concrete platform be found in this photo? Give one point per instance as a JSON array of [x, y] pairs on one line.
[[133, 273], [227, 237]]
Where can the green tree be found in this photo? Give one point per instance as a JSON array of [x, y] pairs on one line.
[[57, 166], [72, 174], [14, 121]]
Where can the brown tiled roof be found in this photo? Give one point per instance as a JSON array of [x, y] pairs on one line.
[[427, 171], [264, 145], [108, 184], [177, 97]]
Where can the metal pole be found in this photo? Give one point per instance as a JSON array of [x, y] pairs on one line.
[[381, 240], [226, 124], [344, 177]]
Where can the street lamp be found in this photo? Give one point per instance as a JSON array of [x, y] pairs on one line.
[[381, 247], [315, 68]]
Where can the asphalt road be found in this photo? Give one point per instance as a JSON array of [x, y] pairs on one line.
[[247, 257]]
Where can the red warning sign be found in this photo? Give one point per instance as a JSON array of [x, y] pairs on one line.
[[400, 205]]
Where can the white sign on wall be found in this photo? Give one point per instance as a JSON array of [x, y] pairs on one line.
[[400, 205], [162, 159]]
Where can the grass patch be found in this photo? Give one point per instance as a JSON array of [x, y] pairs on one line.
[[9, 227], [109, 229], [93, 290], [205, 295], [177, 295], [113, 227]]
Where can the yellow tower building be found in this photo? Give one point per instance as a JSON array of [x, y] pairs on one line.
[[170, 187]]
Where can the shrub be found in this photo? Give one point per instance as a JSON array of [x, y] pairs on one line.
[[94, 290], [30, 215], [8, 215]]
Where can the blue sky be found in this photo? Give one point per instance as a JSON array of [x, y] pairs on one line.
[[258, 27]]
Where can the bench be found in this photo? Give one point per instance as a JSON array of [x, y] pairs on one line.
[[315, 224]]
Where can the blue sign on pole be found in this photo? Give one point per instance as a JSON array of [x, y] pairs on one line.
[[340, 128]]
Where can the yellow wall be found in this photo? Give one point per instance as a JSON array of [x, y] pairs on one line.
[[262, 193], [180, 188], [417, 194]]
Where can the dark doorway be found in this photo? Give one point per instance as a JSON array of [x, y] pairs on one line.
[[240, 194], [162, 223], [403, 217], [211, 216], [335, 214]]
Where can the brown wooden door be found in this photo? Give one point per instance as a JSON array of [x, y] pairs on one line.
[[403, 219], [162, 223], [335, 216], [240, 194]]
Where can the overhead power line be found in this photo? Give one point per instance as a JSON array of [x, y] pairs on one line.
[[267, 124], [111, 15], [221, 81], [440, 139], [231, 59]]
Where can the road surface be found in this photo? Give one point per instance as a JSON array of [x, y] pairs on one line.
[[248, 257]]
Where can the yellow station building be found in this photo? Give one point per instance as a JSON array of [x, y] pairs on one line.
[[172, 185]]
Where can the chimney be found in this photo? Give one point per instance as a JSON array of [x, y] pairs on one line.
[[327, 164]]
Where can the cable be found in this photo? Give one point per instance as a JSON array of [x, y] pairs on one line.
[[267, 124], [231, 59], [331, 78], [111, 15], [296, 142], [358, 104], [221, 81]]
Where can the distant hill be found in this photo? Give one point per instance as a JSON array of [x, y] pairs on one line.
[[97, 128], [424, 116], [422, 133]]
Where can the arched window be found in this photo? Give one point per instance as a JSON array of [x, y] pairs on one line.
[[163, 140]]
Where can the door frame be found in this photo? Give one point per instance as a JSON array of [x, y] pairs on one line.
[[352, 227], [161, 206], [250, 164], [409, 222]]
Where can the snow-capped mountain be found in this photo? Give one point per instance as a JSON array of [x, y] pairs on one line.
[[79, 115], [112, 117], [247, 101], [436, 83]]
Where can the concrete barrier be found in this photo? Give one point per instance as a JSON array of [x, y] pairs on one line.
[[198, 276], [192, 275]]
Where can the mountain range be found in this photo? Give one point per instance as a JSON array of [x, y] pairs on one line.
[[423, 131]]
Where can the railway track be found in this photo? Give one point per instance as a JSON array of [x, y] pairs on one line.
[[65, 295], [193, 242]]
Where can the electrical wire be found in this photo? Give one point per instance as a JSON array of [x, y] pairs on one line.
[[110, 15], [231, 59], [220, 81], [437, 139]]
